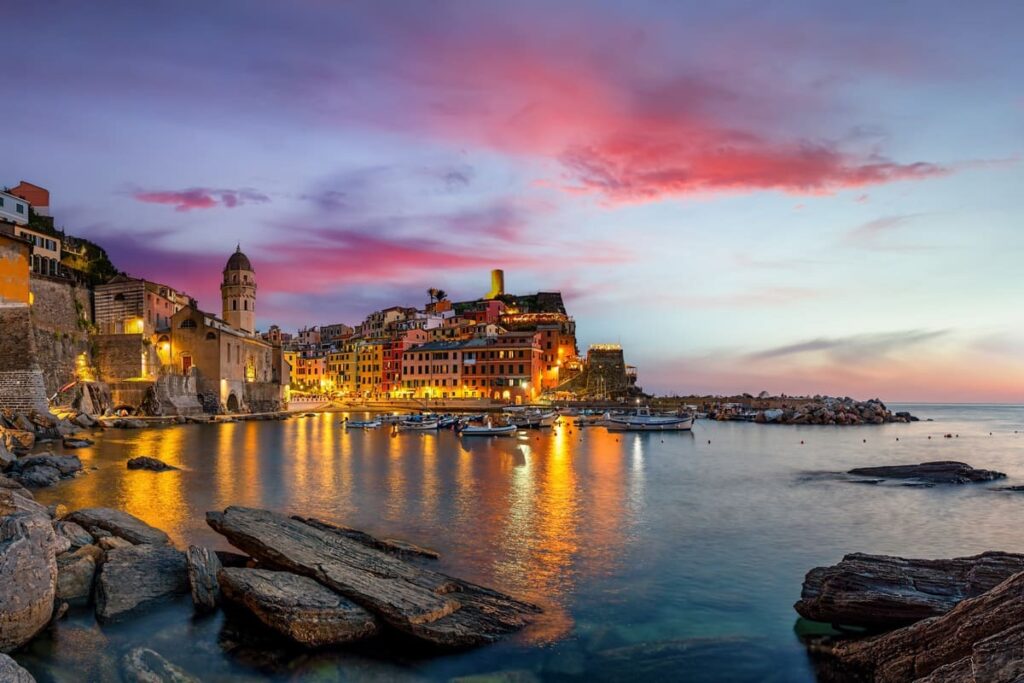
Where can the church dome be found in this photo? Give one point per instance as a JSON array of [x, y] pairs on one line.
[[238, 261]]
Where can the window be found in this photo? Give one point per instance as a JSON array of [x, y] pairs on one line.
[[234, 304], [1, 201], [245, 304], [188, 324], [20, 208], [211, 335]]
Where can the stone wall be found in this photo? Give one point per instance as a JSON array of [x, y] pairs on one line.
[[21, 381], [61, 317], [118, 356], [262, 397], [173, 395], [130, 394]]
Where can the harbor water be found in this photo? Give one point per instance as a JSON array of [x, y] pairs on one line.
[[635, 544]]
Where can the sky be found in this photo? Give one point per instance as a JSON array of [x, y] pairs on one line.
[[793, 197]]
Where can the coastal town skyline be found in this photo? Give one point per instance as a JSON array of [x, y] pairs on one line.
[[733, 236]]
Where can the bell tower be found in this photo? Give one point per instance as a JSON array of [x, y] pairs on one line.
[[238, 292]]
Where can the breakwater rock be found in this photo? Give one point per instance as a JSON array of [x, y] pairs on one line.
[[822, 411], [885, 592], [930, 473]]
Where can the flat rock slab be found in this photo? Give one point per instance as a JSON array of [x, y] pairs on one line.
[[74, 533], [987, 627], [298, 607], [132, 579], [118, 523], [885, 592], [146, 463], [67, 465], [940, 472], [428, 605], [28, 576], [143, 665], [203, 567], [393, 546], [75, 572]]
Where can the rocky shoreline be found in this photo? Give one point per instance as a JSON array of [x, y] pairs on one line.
[[918, 620], [312, 583]]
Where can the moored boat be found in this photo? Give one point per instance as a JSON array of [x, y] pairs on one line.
[[418, 425], [643, 421], [533, 419], [488, 429], [361, 424]]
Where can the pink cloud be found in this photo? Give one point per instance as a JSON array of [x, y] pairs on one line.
[[200, 198]]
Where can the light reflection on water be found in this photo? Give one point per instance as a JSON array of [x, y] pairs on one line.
[[622, 538]]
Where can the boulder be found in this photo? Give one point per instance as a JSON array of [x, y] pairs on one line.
[[75, 572], [985, 629], [84, 421], [113, 543], [39, 476], [885, 592], [146, 463], [118, 523], [133, 579], [13, 486], [76, 535], [297, 607], [203, 566], [18, 441], [10, 672], [66, 465], [940, 472], [7, 459], [143, 665], [77, 443], [428, 605], [23, 423], [28, 574]]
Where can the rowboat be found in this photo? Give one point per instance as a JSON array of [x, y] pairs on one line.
[[643, 421], [418, 425], [362, 424], [534, 419], [488, 430]]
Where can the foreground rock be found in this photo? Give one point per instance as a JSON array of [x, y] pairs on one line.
[[143, 665], [75, 573], [392, 546], [940, 472], [118, 523], [985, 629], [28, 573], [884, 592], [146, 463], [45, 470], [428, 605], [10, 672], [18, 441], [133, 579], [75, 534], [297, 607], [203, 567], [77, 443]]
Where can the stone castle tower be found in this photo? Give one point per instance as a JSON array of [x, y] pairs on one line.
[[238, 292]]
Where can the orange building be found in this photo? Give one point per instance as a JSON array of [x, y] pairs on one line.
[[15, 259]]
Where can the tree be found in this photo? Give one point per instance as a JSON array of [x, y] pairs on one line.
[[432, 293], [440, 294]]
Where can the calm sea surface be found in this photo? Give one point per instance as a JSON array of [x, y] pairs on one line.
[[625, 540]]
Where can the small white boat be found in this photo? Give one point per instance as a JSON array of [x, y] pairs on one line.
[[488, 429], [534, 419], [392, 417], [362, 424], [643, 421], [418, 425]]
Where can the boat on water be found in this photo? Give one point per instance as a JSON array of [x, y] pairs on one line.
[[488, 429], [533, 419], [418, 425], [447, 421], [643, 421], [392, 417], [362, 424]]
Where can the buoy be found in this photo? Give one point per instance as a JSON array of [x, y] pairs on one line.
[[801, 443]]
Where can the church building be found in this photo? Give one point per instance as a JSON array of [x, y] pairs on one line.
[[236, 370]]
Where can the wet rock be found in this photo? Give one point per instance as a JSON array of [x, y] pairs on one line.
[[18, 441], [133, 579], [75, 534], [13, 486], [84, 420], [392, 546], [10, 672], [118, 523], [75, 573], [297, 607], [66, 465], [986, 630], [56, 510], [128, 424], [7, 458], [28, 574], [77, 443], [203, 567], [114, 543], [38, 477], [143, 665], [146, 463], [940, 472], [884, 592], [427, 605]]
